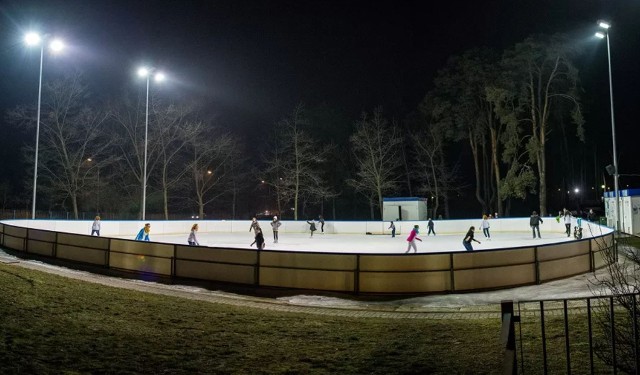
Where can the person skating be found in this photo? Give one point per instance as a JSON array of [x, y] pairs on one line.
[[95, 227], [143, 235], [466, 241], [259, 239], [485, 227], [413, 236], [321, 220], [275, 224], [192, 240], [312, 227], [393, 229], [430, 226], [567, 223], [535, 222], [254, 224]]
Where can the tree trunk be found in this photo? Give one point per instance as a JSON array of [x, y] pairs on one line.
[[476, 165], [74, 202], [496, 168]]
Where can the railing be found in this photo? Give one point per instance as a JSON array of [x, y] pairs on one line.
[[508, 338], [592, 335]]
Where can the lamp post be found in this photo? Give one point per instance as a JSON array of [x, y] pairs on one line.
[[159, 77], [605, 26], [56, 45]]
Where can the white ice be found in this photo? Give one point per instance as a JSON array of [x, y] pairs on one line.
[[373, 244]]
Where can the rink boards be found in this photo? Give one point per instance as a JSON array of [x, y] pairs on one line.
[[338, 272]]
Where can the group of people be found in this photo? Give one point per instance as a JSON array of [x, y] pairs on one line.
[[466, 241]]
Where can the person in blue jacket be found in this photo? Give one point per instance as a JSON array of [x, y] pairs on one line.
[[143, 235]]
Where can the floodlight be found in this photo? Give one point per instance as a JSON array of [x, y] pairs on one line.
[[143, 72], [56, 45], [600, 35], [605, 25], [32, 39], [159, 77]]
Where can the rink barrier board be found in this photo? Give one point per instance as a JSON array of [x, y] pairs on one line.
[[350, 273]]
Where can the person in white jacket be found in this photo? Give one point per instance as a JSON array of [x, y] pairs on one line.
[[567, 222], [485, 226], [192, 240], [95, 227]]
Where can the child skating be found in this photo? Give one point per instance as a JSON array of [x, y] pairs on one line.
[[485, 227]]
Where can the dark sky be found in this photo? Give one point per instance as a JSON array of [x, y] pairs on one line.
[[252, 61]]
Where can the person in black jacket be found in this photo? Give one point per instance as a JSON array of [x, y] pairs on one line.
[[466, 242], [312, 226], [535, 222]]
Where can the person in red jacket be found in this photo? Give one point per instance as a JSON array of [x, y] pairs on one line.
[[413, 236]]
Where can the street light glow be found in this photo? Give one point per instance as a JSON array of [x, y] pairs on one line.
[[576, 190], [143, 72], [32, 39], [56, 45], [600, 35], [159, 77], [605, 25]]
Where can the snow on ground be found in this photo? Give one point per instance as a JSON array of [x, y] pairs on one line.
[[372, 244]]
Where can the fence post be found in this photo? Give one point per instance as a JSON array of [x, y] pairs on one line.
[[508, 338]]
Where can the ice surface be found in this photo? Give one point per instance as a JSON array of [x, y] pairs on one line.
[[372, 244]]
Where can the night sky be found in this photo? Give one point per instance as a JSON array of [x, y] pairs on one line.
[[253, 61]]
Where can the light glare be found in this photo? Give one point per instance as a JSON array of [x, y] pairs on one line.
[[600, 35], [604, 25], [143, 72], [159, 77], [56, 45], [32, 39]]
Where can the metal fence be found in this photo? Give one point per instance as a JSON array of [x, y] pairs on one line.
[[594, 335]]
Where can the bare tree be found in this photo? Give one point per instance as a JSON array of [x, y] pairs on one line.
[[543, 79], [376, 148], [294, 163], [210, 165], [175, 132], [70, 134]]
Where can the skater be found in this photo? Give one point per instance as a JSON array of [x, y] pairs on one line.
[[591, 216], [466, 241], [430, 226], [321, 220], [192, 240], [275, 224], [535, 222], [143, 235], [567, 222], [259, 239], [312, 227], [393, 229], [413, 236], [485, 227], [95, 228], [577, 230], [254, 224]]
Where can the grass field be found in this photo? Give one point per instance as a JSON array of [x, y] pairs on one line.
[[52, 324]]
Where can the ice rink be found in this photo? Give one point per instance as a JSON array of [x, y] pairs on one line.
[[372, 244]]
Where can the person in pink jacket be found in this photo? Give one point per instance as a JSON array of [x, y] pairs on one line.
[[413, 236]]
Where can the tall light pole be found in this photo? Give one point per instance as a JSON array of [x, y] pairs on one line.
[[159, 77], [33, 39], [605, 26]]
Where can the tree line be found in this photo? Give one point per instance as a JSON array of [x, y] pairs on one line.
[[502, 109]]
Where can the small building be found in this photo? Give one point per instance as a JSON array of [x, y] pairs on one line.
[[404, 208], [629, 210]]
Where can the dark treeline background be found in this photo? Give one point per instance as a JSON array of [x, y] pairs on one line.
[[504, 132]]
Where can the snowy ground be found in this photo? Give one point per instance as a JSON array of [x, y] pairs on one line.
[[372, 244]]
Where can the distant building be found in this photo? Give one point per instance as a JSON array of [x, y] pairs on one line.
[[629, 210], [404, 208]]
